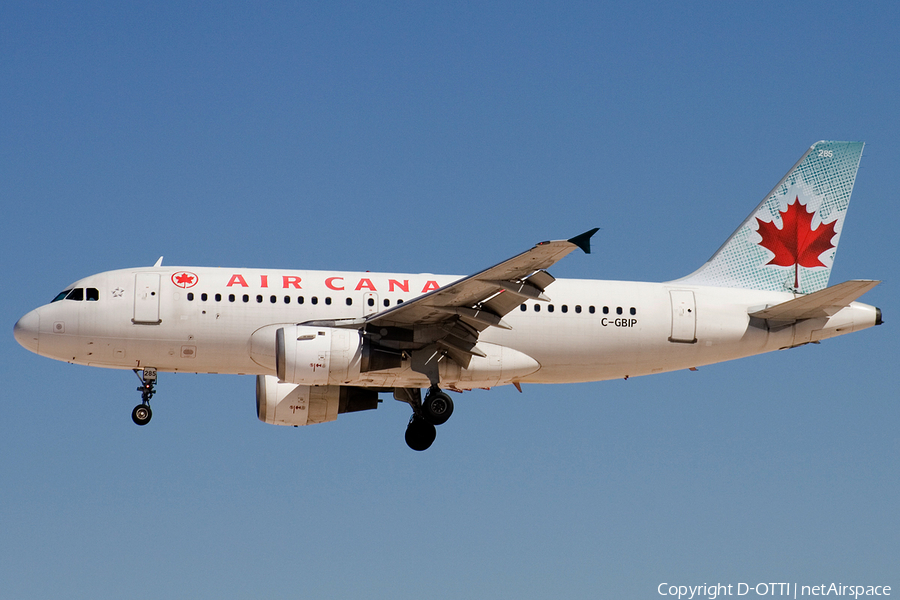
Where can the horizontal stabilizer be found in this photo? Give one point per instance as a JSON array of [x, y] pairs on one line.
[[823, 303]]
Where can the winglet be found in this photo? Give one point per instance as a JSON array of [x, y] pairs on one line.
[[583, 241]]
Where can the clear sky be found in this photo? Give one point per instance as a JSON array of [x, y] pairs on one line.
[[441, 137]]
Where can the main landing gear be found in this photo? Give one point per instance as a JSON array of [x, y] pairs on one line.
[[434, 410], [142, 414]]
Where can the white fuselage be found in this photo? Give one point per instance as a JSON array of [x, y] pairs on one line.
[[221, 322]]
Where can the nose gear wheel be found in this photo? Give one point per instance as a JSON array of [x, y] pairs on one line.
[[141, 414]]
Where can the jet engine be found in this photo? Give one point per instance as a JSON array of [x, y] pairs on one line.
[[319, 355], [280, 403]]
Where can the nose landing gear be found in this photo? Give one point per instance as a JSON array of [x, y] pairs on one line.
[[142, 414]]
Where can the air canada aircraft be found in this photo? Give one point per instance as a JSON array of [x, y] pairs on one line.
[[322, 343]]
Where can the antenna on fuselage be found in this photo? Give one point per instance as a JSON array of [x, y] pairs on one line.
[[158, 262]]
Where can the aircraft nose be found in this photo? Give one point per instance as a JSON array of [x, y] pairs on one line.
[[27, 329]]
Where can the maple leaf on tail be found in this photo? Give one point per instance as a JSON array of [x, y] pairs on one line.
[[796, 244]]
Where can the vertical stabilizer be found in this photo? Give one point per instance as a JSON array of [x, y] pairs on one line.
[[789, 242]]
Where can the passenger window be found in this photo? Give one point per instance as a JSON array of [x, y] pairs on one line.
[[203, 296], [77, 294], [93, 294], [565, 308], [605, 310], [190, 296], [387, 302], [371, 301], [619, 310], [314, 300], [578, 308], [328, 300], [523, 308], [633, 310], [218, 297], [245, 298], [349, 301], [549, 308], [299, 299], [231, 297], [273, 299], [287, 299], [259, 298], [591, 309], [537, 308]]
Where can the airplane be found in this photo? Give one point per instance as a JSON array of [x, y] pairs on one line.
[[324, 343]]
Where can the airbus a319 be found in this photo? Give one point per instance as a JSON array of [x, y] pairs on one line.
[[323, 343]]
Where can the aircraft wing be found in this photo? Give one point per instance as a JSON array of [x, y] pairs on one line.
[[483, 298], [451, 317], [823, 303]]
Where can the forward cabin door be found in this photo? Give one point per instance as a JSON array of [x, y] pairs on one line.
[[146, 299], [684, 317]]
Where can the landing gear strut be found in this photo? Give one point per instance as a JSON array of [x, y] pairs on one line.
[[142, 414], [434, 410]]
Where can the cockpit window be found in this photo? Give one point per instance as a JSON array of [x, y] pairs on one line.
[[78, 294]]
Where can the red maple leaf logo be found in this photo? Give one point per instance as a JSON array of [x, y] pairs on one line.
[[184, 279], [796, 244]]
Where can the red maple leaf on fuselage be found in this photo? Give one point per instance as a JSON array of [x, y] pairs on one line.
[[796, 244], [184, 278]]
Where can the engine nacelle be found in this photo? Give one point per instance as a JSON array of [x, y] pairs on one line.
[[322, 355], [317, 355], [279, 403]]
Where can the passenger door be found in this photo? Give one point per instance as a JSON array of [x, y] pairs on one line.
[[146, 299], [684, 317]]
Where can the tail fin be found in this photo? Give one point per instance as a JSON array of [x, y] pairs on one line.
[[788, 243]]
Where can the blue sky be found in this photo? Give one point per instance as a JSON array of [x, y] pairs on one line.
[[441, 137]]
